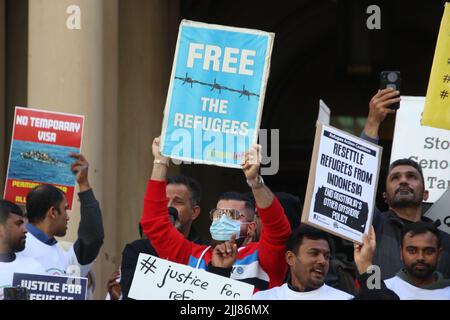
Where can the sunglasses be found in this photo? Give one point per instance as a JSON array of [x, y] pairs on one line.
[[216, 214]]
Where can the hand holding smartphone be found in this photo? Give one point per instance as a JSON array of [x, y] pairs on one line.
[[391, 79]]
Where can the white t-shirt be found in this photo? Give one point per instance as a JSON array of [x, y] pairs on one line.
[[407, 291], [284, 293], [55, 260], [19, 265]]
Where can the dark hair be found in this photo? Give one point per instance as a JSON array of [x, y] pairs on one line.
[[42, 198], [420, 227], [408, 162], [249, 204], [296, 238], [376, 294], [292, 207], [8, 207], [191, 184]]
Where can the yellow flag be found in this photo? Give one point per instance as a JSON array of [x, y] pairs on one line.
[[436, 112]]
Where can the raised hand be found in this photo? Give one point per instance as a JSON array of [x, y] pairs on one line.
[[155, 150], [252, 162], [379, 109], [80, 168], [363, 254]]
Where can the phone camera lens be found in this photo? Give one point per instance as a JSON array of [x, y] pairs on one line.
[[392, 77]]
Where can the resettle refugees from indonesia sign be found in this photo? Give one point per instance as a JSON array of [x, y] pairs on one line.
[[160, 279], [40, 148], [342, 183], [44, 287], [216, 93]]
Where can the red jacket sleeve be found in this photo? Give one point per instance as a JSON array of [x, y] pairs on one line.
[[165, 238], [272, 242]]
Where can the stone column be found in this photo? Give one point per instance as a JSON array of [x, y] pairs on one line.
[[147, 36], [2, 96], [72, 67]]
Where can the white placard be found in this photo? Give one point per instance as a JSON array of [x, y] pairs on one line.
[[342, 183], [324, 113], [159, 279], [216, 93], [430, 147], [441, 210]]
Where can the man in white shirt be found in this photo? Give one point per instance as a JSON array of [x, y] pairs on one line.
[[308, 257], [12, 240], [420, 251], [48, 217]]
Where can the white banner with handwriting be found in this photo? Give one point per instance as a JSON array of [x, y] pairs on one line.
[[159, 279]]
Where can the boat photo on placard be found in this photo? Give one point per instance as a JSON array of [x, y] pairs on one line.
[[38, 161]]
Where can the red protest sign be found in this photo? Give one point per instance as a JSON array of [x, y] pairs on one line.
[[40, 148]]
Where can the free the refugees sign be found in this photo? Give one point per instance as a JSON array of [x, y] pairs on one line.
[[159, 279], [40, 147], [342, 183], [428, 146], [43, 287], [216, 93]]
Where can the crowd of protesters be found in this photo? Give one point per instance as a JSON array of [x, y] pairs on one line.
[[256, 237]]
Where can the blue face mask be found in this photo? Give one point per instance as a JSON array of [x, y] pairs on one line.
[[224, 228]]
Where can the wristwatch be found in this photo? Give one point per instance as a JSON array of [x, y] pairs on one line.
[[159, 161], [258, 184]]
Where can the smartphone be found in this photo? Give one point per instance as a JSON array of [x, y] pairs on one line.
[[391, 79]]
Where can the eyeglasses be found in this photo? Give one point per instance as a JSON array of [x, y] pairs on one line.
[[216, 214]]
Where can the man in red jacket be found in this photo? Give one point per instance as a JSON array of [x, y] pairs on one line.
[[259, 263]]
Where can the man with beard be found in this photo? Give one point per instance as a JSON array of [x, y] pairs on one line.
[[257, 263], [12, 240], [308, 256], [404, 194], [184, 195], [405, 191], [420, 252]]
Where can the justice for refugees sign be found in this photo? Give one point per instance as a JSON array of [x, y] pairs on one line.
[[428, 146], [216, 93], [342, 183], [42, 287], [159, 279], [40, 147]]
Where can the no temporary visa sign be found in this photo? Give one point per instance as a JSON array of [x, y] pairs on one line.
[[342, 183], [40, 146], [216, 93]]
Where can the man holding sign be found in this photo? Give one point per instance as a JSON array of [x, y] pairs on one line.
[[418, 278], [47, 213], [405, 191], [259, 263]]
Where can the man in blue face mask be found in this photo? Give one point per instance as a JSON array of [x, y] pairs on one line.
[[235, 214], [259, 263]]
